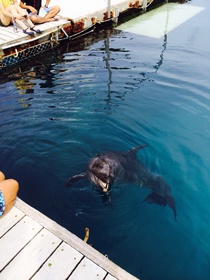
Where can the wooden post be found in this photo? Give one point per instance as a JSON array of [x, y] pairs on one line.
[[108, 8], [144, 5]]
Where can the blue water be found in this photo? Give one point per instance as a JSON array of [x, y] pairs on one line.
[[112, 91]]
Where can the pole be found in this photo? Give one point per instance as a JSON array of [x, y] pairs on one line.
[[144, 5], [108, 8]]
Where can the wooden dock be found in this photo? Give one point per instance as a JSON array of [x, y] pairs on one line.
[[35, 247], [77, 18]]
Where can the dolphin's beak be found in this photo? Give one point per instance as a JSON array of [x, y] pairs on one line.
[[104, 186]]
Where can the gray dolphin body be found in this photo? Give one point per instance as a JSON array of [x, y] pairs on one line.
[[110, 167]]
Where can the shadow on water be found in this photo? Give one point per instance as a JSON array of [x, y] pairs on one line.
[[42, 66]]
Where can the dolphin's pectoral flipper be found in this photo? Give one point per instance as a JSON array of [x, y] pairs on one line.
[[161, 200], [75, 178]]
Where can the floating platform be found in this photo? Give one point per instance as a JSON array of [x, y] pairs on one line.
[[35, 247], [76, 18], [160, 21]]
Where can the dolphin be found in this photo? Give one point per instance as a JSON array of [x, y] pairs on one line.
[[108, 168]]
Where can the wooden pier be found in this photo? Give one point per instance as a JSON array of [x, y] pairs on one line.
[[35, 247], [77, 18]]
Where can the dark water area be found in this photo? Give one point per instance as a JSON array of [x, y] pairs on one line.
[[111, 91]]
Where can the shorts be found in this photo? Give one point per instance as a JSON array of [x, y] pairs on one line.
[[2, 204], [47, 9], [42, 12]]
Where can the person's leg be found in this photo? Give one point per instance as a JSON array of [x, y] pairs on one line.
[[24, 14], [5, 21], [19, 10], [2, 177], [32, 26], [12, 9], [53, 11], [9, 189], [50, 16], [38, 20]]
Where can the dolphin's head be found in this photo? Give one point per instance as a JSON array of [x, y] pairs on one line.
[[100, 173]]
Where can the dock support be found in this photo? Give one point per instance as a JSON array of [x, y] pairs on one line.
[[115, 16], [144, 6], [108, 8]]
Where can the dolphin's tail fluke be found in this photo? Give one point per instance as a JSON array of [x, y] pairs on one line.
[[74, 179], [171, 204], [162, 200]]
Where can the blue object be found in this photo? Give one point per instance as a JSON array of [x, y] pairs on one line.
[[2, 204]]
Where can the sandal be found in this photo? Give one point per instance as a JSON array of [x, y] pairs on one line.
[[36, 30], [28, 32]]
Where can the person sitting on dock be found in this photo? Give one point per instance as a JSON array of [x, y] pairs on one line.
[[11, 12], [8, 193], [39, 13]]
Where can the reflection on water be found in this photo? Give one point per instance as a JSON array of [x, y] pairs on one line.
[[112, 91]]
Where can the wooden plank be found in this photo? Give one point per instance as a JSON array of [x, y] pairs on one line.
[[110, 277], [29, 260], [9, 31], [12, 242], [4, 36], [8, 36], [60, 264], [88, 270], [84, 8], [75, 242], [52, 24], [13, 217]]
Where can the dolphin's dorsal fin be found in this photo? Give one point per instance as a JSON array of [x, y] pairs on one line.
[[137, 148]]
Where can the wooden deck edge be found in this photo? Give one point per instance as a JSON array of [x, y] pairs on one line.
[[22, 38], [74, 241]]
